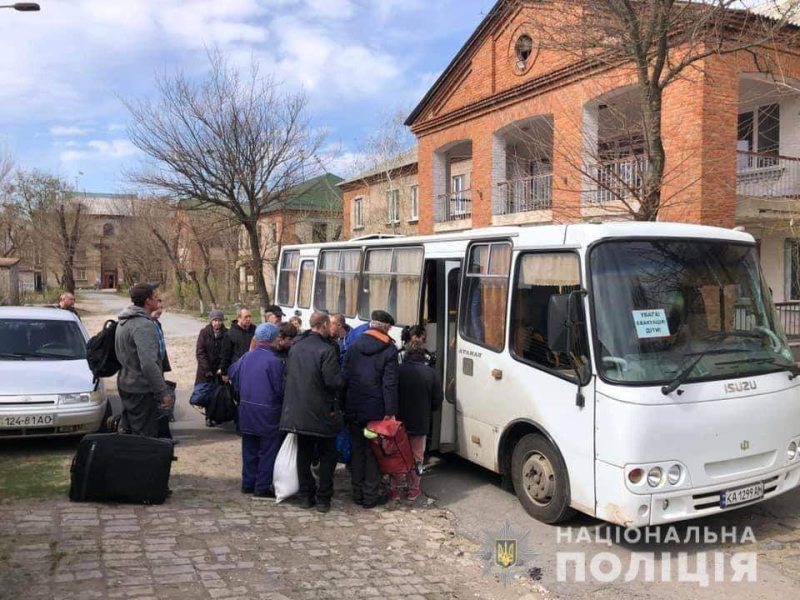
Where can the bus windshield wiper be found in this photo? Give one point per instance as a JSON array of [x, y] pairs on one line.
[[792, 368], [11, 356], [678, 380]]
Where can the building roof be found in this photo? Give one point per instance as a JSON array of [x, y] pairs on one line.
[[9, 262], [317, 194], [491, 17], [404, 159], [99, 203]]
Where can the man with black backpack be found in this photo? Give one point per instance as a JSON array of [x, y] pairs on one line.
[[140, 381]]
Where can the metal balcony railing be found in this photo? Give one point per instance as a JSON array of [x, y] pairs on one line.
[[620, 179], [789, 314], [524, 195], [455, 206], [767, 175]]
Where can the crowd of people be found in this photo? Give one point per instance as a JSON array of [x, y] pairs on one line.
[[320, 383]]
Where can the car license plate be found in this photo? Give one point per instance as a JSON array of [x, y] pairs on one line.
[[26, 421], [747, 493]]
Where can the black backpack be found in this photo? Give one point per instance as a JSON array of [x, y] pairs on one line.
[[222, 406], [100, 352]]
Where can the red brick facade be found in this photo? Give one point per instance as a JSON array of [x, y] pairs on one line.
[[485, 91]]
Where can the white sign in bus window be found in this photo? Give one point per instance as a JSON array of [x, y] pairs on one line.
[[651, 323]]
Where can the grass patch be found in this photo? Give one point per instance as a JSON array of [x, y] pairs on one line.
[[40, 476]]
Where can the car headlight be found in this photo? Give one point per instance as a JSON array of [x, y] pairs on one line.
[[75, 398], [654, 476], [792, 451], [674, 474]]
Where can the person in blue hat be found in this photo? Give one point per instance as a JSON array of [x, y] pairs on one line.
[[258, 377]]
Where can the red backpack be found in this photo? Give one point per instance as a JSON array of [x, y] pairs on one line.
[[391, 447]]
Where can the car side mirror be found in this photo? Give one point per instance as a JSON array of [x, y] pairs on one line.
[[559, 323]]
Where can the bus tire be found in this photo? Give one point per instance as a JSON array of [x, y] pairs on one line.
[[540, 479]]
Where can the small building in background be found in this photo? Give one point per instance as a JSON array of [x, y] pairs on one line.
[[9, 281]]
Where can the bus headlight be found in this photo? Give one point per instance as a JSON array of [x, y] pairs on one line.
[[674, 474], [792, 451], [654, 476]]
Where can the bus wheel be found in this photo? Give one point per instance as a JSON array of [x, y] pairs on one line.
[[540, 479]]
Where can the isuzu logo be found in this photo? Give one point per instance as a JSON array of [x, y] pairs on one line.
[[740, 386]]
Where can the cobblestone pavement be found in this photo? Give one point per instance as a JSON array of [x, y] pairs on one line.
[[206, 544]]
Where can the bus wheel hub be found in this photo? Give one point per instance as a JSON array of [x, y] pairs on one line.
[[539, 479]]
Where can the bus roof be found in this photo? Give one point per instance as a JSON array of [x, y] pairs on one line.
[[574, 235]]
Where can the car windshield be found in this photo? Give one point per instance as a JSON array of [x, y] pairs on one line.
[[39, 339], [661, 304]]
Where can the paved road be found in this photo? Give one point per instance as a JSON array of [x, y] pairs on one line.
[[180, 332], [478, 502]]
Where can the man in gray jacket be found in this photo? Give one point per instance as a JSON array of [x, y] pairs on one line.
[[140, 380]]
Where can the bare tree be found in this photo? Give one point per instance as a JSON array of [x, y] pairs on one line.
[[57, 216], [232, 141], [382, 158], [661, 41]]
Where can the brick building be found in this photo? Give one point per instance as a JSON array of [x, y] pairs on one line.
[[516, 133], [312, 212]]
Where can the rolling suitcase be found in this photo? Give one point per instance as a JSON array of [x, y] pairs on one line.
[[117, 467], [392, 448]]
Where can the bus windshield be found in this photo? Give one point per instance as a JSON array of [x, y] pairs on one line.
[[661, 304]]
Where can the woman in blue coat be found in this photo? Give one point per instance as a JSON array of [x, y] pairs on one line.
[[258, 376]]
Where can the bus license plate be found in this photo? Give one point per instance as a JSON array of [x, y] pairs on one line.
[[741, 495], [26, 421]]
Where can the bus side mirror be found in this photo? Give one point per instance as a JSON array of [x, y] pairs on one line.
[[559, 323]]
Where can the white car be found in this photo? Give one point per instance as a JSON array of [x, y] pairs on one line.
[[46, 387]]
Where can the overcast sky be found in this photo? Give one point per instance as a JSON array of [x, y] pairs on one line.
[[64, 69]]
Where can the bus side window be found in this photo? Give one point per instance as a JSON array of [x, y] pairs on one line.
[[540, 276], [306, 283], [288, 278], [484, 301]]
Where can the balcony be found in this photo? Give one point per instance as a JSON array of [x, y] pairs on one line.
[[615, 180], [453, 207], [767, 175], [525, 195], [789, 315]]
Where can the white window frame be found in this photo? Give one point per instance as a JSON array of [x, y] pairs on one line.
[[358, 212], [78, 275], [414, 195], [457, 187], [393, 203]]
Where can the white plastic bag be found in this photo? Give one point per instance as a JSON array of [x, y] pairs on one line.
[[284, 477]]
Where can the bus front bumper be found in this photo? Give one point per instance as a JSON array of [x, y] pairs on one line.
[[616, 504]]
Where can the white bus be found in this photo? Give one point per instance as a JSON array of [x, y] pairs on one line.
[[635, 372]]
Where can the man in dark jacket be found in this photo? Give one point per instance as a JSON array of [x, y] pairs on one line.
[[140, 381], [209, 348], [313, 383], [370, 368], [258, 377], [420, 394], [236, 341]]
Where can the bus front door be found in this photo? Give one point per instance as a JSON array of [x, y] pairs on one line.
[[452, 279]]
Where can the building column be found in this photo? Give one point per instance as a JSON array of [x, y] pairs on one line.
[[482, 180], [699, 128], [499, 175], [568, 148]]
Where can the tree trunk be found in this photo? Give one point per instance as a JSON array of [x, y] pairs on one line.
[[67, 278], [650, 200], [179, 288], [258, 266], [198, 290], [211, 297]]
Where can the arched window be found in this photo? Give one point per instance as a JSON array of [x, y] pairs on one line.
[[523, 50], [108, 229]]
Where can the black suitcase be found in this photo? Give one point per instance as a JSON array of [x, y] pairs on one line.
[[121, 468]]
